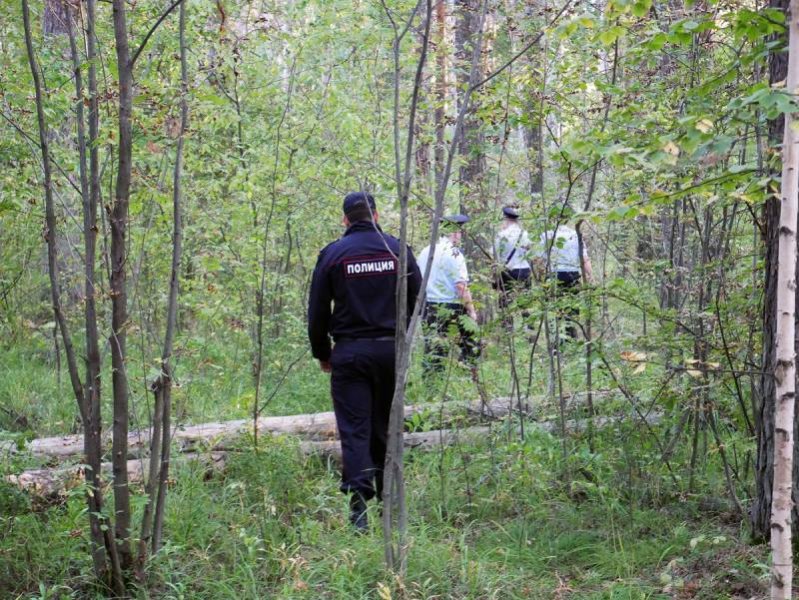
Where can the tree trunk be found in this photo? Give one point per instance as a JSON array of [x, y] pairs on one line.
[[94, 501], [56, 17], [91, 391], [441, 88], [52, 482], [422, 153], [119, 311], [533, 132], [535, 150], [785, 366], [469, 26], [764, 403], [92, 428], [174, 285], [395, 515]]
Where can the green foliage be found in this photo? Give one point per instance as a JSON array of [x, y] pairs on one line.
[[652, 122], [493, 518]]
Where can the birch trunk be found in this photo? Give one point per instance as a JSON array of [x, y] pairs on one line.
[[785, 367], [764, 400]]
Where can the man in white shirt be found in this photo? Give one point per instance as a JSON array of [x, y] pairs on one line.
[[449, 301], [559, 256], [511, 252]]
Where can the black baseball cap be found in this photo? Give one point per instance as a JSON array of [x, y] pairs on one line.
[[510, 212], [357, 200]]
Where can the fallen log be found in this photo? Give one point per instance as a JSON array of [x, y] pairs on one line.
[[224, 434], [54, 482]]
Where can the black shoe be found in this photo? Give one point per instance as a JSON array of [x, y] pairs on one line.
[[358, 517]]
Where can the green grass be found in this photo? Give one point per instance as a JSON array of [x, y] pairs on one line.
[[483, 524], [214, 382], [502, 519]]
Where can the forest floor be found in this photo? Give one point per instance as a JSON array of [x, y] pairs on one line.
[[493, 521], [539, 517]]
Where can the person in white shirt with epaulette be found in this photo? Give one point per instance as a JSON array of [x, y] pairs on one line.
[[560, 257], [511, 253], [449, 301]]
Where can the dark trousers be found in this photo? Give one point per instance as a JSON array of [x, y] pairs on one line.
[[568, 286], [511, 283], [440, 317], [362, 386]]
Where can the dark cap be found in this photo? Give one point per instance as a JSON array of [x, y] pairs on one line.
[[510, 212], [357, 201], [454, 220]]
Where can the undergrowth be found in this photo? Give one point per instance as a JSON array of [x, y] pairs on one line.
[[502, 519]]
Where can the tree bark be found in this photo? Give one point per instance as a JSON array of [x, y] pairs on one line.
[[94, 500], [91, 390], [56, 17], [395, 512], [785, 366], [469, 27], [174, 286], [50, 482], [766, 394], [441, 87], [93, 426], [119, 311]]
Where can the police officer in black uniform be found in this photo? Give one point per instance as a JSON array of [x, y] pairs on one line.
[[357, 275]]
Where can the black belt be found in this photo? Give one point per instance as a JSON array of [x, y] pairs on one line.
[[385, 338]]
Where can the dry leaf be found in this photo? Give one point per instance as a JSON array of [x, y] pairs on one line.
[[671, 148], [704, 125], [383, 591]]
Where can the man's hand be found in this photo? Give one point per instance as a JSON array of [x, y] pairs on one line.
[[588, 271], [325, 366], [466, 297]]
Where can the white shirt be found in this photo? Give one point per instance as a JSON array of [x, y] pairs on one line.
[[448, 269], [510, 237], [564, 256]]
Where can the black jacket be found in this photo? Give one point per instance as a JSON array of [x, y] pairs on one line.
[[358, 275]]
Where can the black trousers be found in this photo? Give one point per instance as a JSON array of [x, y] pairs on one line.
[[439, 318], [511, 282], [362, 386], [568, 287]]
